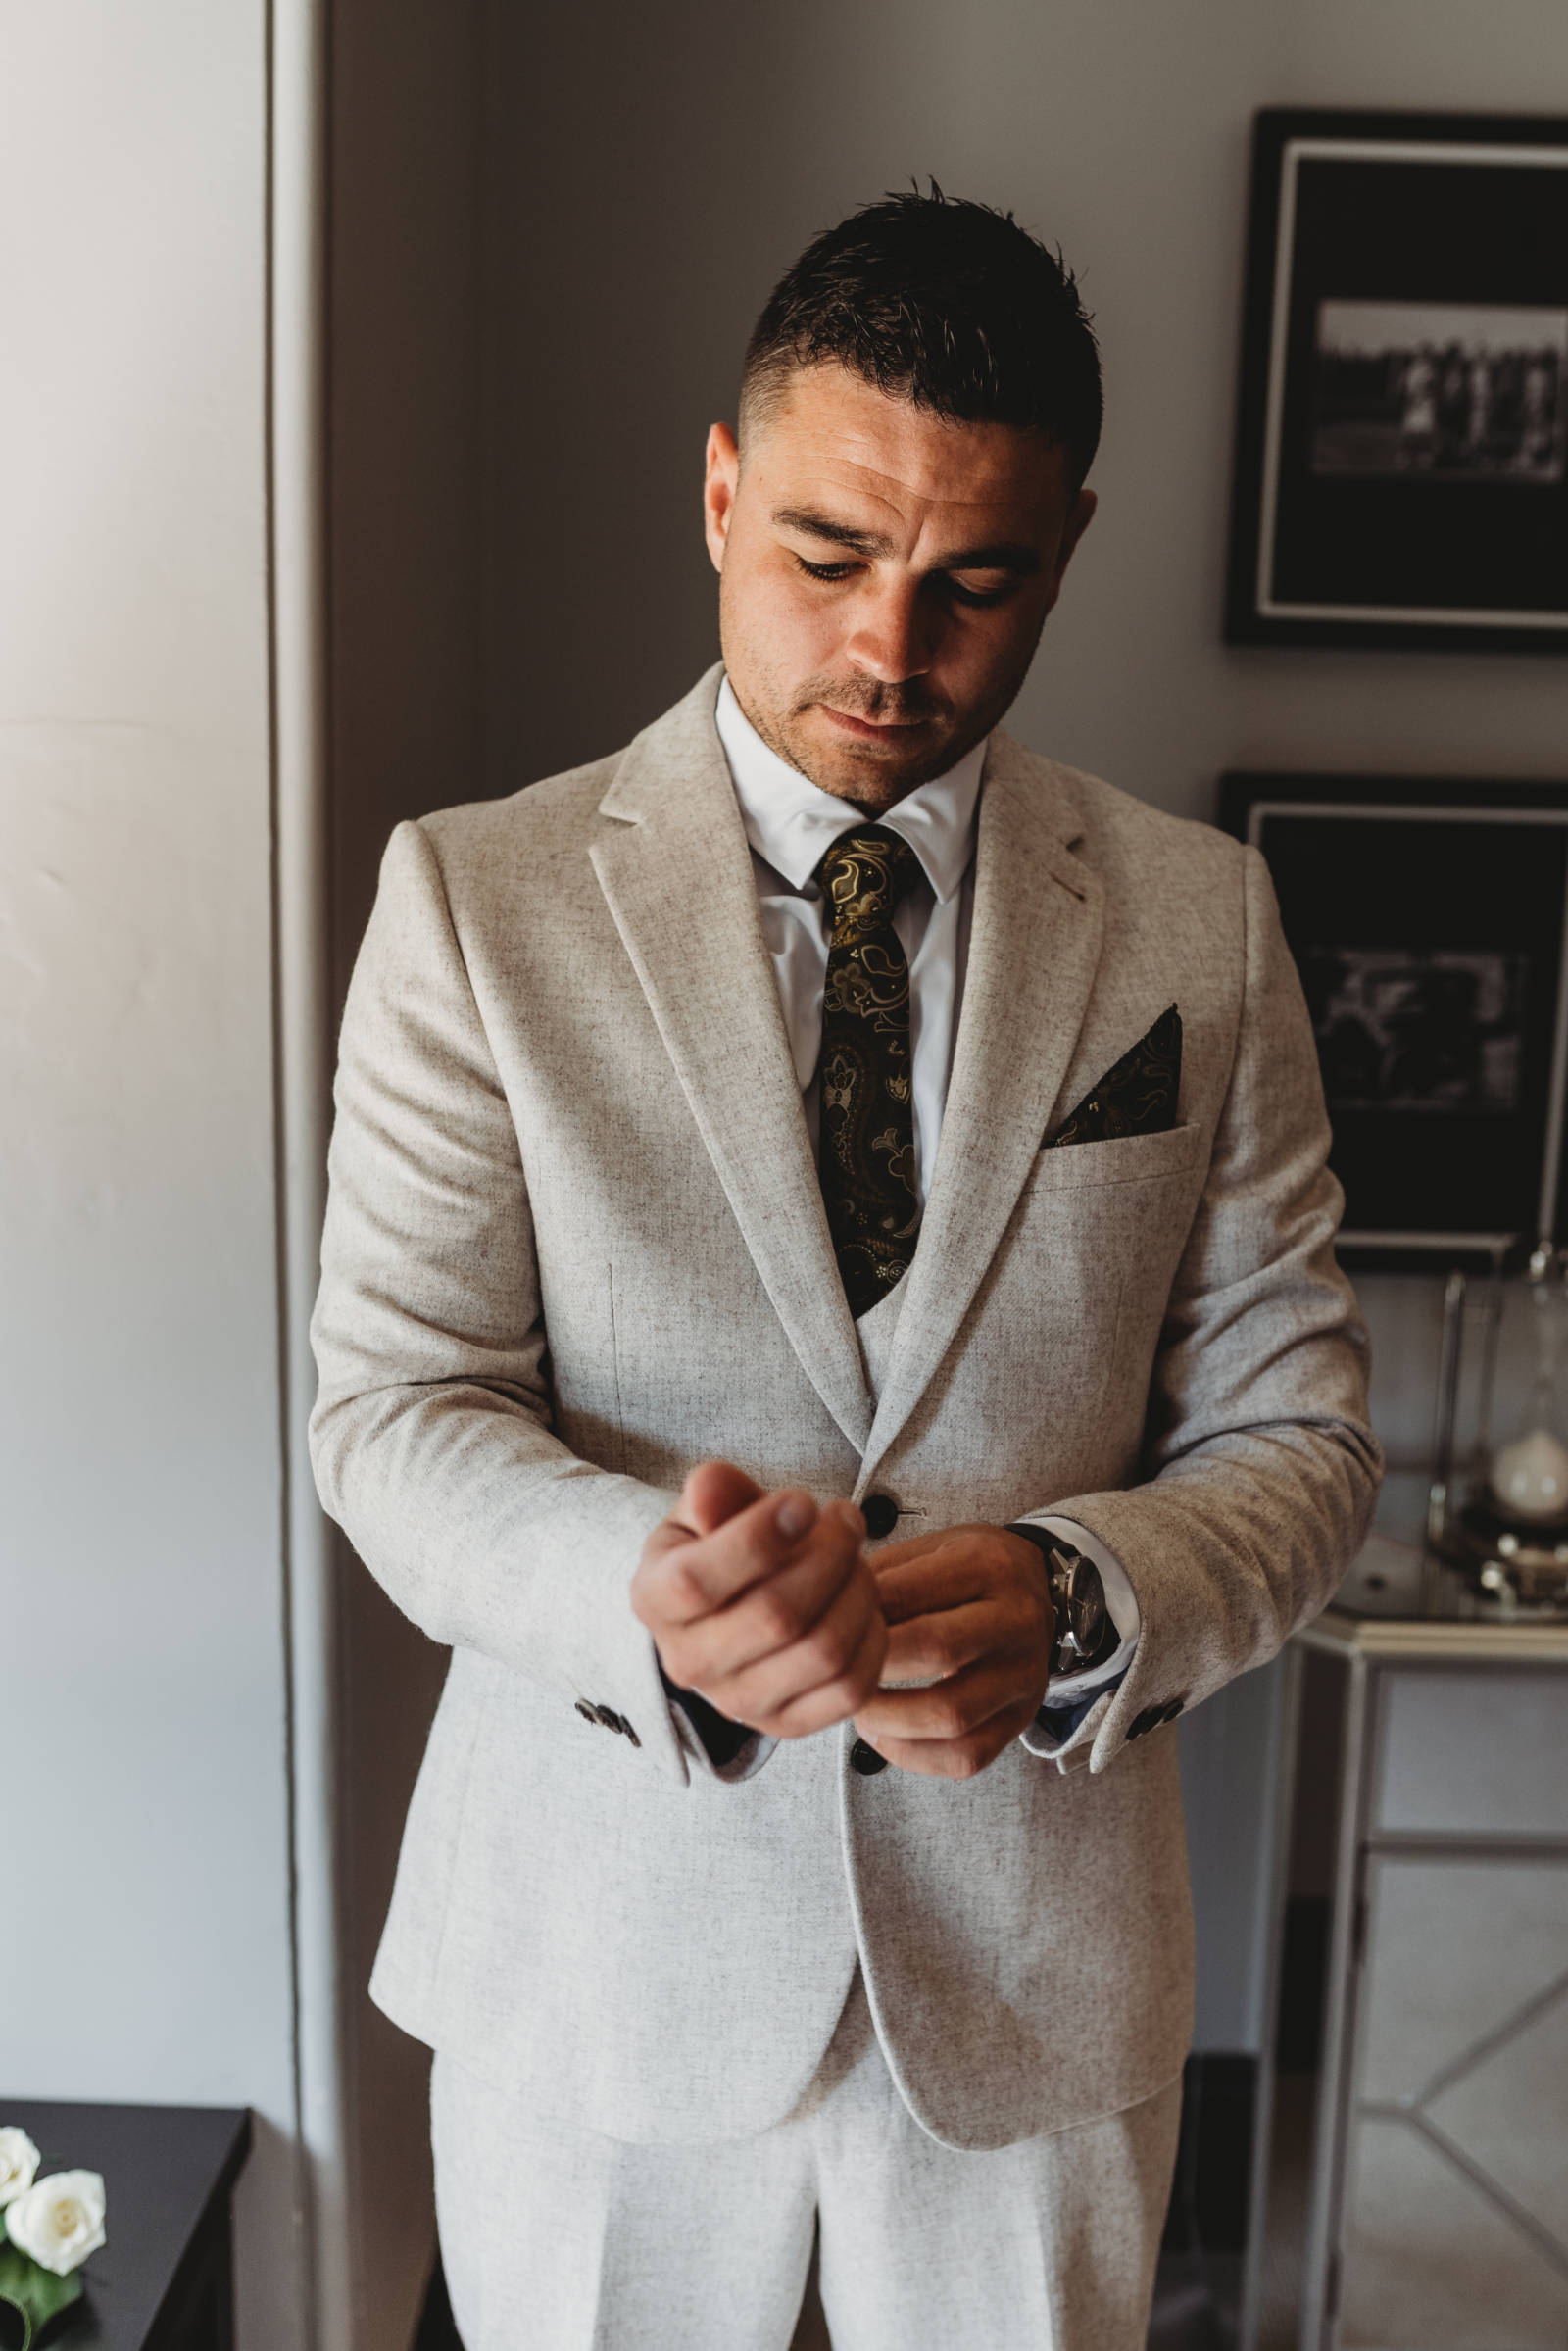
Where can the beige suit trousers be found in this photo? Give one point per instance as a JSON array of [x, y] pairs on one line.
[[563, 2240]]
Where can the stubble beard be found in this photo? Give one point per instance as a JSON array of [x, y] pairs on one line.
[[871, 779]]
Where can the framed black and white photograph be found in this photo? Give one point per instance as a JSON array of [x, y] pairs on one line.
[[1429, 922], [1402, 433]]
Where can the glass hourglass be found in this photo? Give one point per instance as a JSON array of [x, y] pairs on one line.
[[1515, 1526], [1529, 1471]]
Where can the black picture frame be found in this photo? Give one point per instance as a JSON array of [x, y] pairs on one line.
[[1402, 446], [1428, 922]]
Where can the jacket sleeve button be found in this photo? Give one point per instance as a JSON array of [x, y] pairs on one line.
[[585, 1710], [1173, 1709], [864, 1759]]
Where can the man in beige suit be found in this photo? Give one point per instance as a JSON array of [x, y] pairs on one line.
[[828, 1309]]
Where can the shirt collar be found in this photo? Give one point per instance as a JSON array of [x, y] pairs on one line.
[[791, 821]]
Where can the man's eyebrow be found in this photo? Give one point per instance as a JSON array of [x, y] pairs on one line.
[[817, 525], [1005, 555]]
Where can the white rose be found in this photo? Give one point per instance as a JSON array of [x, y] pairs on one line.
[[59, 2221], [18, 2161]]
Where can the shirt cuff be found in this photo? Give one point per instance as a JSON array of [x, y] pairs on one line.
[[730, 1750]]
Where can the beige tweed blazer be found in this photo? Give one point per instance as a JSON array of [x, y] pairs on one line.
[[575, 1244]]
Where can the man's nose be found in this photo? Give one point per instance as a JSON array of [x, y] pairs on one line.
[[894, 637]]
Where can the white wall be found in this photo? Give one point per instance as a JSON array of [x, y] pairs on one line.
[[146, 1921]]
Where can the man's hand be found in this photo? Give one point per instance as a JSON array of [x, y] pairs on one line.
[[970, 1614], [763, 1604]]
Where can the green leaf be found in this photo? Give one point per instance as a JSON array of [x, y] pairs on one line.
[[36, 2292]]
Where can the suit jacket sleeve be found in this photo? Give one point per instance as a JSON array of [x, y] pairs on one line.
[[1263, 1469], [431, 1436]]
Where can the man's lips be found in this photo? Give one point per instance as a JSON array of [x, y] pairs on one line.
[[871, 732]]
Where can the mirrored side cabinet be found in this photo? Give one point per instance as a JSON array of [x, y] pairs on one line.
[[1411, 2171]]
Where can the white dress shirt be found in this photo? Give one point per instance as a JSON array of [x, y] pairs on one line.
[[789, 822]]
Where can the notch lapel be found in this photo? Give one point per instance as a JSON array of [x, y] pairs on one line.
[[676, 872], [1034, 948]]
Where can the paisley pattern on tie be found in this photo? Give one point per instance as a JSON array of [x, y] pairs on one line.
[[866, 1156], [1138, 1096]]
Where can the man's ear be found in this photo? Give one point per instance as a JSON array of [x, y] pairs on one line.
[[1072, 530], [1078, 522], [720, 483]]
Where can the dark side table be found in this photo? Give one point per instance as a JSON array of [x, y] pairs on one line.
[[164, 2279]]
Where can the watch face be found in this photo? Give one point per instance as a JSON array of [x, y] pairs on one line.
[[1088, 1603], [1080, 1599]]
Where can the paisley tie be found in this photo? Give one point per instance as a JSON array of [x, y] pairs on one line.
[[866, 1156]]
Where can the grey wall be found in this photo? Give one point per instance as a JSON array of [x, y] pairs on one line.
[[650, 172], [403, 493]]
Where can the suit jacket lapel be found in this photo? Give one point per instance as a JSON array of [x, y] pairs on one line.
[[677, 874], [1034, 947]]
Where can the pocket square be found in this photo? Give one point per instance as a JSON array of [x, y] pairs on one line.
[[1137, 1096]]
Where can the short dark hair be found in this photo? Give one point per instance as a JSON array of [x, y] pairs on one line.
[[943, 301]]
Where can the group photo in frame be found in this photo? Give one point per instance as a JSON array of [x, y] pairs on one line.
[[1401, 450], [1429, 922]]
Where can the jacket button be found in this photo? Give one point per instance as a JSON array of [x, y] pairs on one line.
[[608, 1716], [881, 1515], [630, 1732], [865, 1760], [585, 1710], [1149, 1720], [1172, 1710]]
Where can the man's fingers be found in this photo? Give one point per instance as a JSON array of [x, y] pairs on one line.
[[946, 1711], [810, 1663], [835, 1700], [948, 1578], [954, 1758], [714, 1493], [828, 1665], [930, 1648], [908, 1547], [768, 1617], [690, 1576]]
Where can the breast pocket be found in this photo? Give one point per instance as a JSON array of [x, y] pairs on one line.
[[1081, 1282], [1111, 1213], [1125, 1159]]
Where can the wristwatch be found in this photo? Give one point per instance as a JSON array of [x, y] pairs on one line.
[[1086, 1632]]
